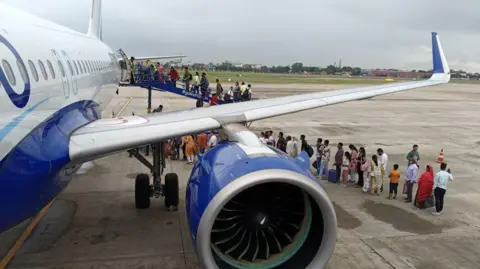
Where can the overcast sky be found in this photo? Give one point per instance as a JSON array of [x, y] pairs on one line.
[[370, 33]]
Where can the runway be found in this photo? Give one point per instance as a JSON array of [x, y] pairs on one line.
[[94, 223]]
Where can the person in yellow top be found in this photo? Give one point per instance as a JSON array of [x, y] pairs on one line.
[[394, 178], [242, 88]]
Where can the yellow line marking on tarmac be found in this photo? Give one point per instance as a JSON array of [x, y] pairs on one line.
[[24, 236], [121, 110]]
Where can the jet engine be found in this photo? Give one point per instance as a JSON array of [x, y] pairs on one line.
[[258, 208]]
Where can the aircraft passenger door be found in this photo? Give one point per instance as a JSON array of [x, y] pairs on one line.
[[63, 73], [125, 67], [73, 77]]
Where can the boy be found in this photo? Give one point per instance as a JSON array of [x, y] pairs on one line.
[[394, 178]]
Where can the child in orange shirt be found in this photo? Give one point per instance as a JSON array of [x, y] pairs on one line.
[[394, 178]]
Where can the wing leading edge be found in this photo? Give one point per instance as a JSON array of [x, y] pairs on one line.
[[106, 136]]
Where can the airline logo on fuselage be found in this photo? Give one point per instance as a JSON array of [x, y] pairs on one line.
[[19, 100]]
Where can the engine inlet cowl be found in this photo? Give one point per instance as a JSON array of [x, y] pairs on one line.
[[268, 223]]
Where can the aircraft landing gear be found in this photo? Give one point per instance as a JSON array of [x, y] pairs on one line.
[[144, 191]]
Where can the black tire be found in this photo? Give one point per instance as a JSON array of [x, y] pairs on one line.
[[171, 191], [142, 191]]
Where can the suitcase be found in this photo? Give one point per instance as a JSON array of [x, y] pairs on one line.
[[332, 175]]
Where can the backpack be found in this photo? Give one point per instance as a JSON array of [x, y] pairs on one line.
[[190, 77], [309, 151], [245, 94]]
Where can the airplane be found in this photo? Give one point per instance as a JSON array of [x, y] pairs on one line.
[[248, 205]]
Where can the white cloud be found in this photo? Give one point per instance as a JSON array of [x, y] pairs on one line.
[[374, 33]]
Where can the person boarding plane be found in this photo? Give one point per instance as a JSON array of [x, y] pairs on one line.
[[260, 209]]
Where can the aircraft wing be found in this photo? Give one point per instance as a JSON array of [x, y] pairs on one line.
[[159, 57], [106, 136]]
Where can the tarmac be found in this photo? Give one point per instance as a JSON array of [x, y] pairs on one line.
[[94, 223]]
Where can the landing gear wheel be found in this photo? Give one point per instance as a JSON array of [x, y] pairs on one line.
[[142, 191], [171, 191]]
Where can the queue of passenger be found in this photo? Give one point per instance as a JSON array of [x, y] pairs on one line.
[[190, 146], [370, 173], [197, 83]]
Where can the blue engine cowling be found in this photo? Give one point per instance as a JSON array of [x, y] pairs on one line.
[[251, 210]]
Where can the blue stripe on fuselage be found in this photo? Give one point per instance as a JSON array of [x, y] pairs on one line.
[[29, 177], [11, 125]]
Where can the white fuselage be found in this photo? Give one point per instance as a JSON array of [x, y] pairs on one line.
[[90, 72]]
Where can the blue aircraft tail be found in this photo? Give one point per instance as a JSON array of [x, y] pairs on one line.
[[440, 64]]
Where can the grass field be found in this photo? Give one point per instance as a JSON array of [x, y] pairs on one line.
[[302, 79], [289, 78]]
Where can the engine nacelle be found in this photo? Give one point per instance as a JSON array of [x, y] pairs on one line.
[[258, 208]]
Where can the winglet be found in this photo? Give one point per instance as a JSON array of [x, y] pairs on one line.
[[441, 71], [95, 24]]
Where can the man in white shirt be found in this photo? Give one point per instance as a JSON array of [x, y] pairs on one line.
[[291, 148], [212, 141], [440, 188], [383, 158], [411, 179], [271, 139]]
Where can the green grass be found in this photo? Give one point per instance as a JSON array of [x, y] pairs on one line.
[[457, 81], [291, 78], [269, 78]]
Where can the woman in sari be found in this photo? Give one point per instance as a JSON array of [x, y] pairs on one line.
[[190, 148], [425, 188]]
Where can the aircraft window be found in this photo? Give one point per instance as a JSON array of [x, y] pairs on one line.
[[76, 67], [70, 68], [79, 66], [43, 70], [23, 71], [61, 68], [34, 70], [83, 65], [50, 67], [9, 73]]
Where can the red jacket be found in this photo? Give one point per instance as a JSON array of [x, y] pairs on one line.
[[174, 74]]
